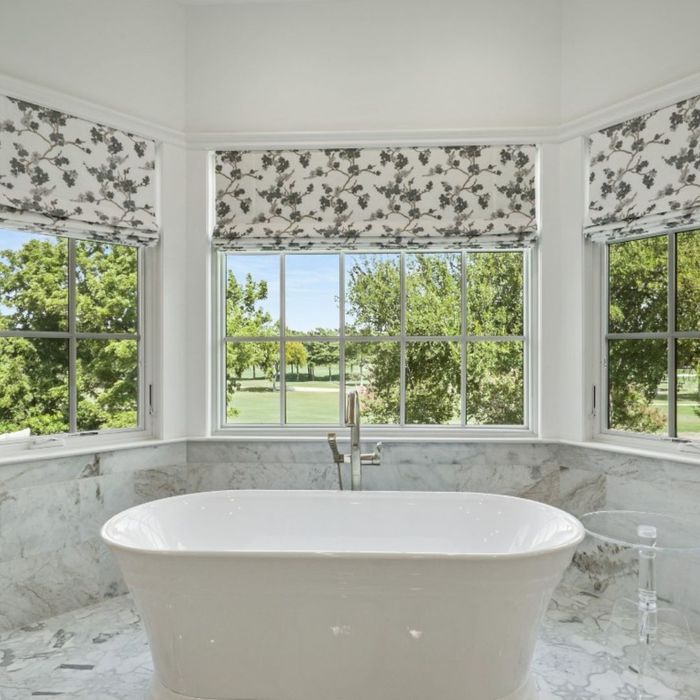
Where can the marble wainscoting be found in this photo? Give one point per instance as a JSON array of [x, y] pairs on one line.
[[528, 469], [592, 479], [51, 511]]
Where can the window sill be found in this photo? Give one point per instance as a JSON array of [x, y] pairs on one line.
[[650, 448], [373, 433], [18, 453]]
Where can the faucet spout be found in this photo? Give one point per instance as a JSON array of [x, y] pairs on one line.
[[352, 420], [356, 457]]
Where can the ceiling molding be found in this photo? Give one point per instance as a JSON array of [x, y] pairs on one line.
[[632, 107], [92, 111], [586, 124], [367, 139]]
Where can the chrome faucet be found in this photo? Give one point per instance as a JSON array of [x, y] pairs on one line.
[[356, 457]]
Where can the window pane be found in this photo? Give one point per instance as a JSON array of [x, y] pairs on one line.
[[252, 295], [375, 370], [494, 294], [688, 387], [108, 381], [495, 383], [34, 385], [33, 282], [252, 383], [638, 385], [107, 287], [312, 294], [638, 284], [373, 294], [313, 382], [433, 290], [433, 382], [688, 289]]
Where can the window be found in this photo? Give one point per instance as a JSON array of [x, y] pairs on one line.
[[435, 339], [652, 340], [70, 336]]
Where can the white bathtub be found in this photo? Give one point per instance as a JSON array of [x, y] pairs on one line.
[[325, 595]]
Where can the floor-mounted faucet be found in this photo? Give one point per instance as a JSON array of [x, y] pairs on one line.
[[356, 457]]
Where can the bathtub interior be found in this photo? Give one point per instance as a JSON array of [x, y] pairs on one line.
[[344, 523]]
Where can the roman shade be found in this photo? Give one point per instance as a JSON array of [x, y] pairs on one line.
[[376, 198], [65, 175], [644, 174]]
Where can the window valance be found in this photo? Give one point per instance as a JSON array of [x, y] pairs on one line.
[[644, 174], [444, 197], [73, 177]]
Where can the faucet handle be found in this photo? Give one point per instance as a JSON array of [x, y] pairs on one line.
[[333, 444]]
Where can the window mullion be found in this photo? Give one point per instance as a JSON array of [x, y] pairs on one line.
[[341, 344], [402, 345], [283, 338], [72, 339], [463, 344], [671, 349]]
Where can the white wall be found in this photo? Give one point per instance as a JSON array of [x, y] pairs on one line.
[[128, 55], [613, 50], [370, 65]]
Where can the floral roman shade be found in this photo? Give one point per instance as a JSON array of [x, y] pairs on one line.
[[644, 174], [68, 176], [349, 198]]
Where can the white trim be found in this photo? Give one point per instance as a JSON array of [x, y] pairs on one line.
[[616, 112], [220, 341], [620, 111], [252, 140], [390, 433], [89, 445], [85, 109], [665, 449]]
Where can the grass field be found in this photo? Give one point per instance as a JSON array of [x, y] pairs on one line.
[[308, 400], [317, 401]]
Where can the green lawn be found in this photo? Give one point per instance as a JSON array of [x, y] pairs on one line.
[[316, 401]]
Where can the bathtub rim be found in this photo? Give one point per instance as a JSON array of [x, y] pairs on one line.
[[573, 541]]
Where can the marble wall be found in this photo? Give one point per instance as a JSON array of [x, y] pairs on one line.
[[51, 511], [52, 561]]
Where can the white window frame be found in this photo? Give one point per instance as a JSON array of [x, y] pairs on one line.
[[146, 314], [598, 401], [219, 339]]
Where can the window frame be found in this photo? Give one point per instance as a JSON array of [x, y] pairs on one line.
[[459, 431], [145, 315], [600, 400]]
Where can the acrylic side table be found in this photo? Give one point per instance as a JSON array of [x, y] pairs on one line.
[[649, 534]]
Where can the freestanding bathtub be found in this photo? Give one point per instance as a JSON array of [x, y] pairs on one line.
[[327, 595]]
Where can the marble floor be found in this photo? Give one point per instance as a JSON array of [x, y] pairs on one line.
[[101, 653]]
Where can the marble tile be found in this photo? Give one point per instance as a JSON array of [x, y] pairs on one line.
[[38, 519], [460, 476], [581, 491], [262, 475], [139, 458], [100, 652], [680, 498], [256, 451], [37, 587], [46, 471]]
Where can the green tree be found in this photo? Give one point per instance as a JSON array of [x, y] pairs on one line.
[[34, 296], [246, 316], [296, 355]]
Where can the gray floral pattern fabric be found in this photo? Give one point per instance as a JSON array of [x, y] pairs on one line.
[[644, 174], [350, 198], [69, 176]]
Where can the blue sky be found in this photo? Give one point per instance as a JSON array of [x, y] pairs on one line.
[[312, 287], [14, 240]]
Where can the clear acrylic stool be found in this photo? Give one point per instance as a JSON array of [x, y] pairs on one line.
[[649, 534]]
